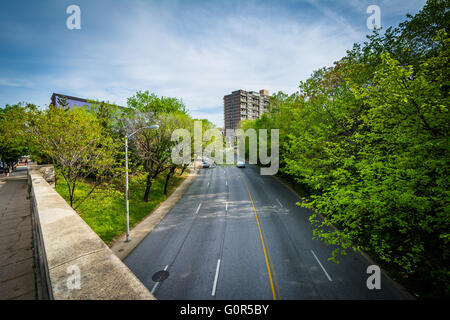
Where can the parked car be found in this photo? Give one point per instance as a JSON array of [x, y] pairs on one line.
[[240, 164]]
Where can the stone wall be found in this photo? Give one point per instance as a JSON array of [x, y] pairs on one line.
[[73, 262]]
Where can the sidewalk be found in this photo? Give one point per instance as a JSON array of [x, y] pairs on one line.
[[16, 239]]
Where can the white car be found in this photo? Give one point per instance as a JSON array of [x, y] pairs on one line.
[[240, 164]]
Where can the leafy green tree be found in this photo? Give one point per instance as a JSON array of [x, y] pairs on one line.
[[367, 139], [77, 144], [14, 142], [109, 115], [178, 121], [153, 146], [205, 139], [146, 102]]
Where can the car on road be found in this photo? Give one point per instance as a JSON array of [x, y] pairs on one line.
[[205, 164], [240, 164]]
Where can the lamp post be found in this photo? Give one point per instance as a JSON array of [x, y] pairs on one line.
[[126, 177]]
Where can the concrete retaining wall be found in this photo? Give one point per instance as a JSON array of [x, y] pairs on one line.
[[73, 262]]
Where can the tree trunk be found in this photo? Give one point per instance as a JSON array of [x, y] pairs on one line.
[[72, 193], [184, 168], [169, 175], [148, 187]]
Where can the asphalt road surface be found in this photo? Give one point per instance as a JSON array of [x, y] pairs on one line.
[[238, 235]]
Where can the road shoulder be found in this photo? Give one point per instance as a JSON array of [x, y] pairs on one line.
[[122, 249]]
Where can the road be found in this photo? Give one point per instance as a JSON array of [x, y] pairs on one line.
[[238, 235]]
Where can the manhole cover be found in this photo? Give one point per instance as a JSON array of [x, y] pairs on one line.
[[160, 276]]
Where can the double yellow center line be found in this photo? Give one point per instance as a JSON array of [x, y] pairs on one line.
[[272, 279]]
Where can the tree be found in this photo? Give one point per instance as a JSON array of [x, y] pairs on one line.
[[153, 146], [14, 142], [367, 139], [109, 115], [179, 121], [77, 144], [146, 102]]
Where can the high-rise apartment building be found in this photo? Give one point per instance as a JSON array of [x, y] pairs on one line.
[[240, 105]]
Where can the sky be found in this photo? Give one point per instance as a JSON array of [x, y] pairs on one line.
[[197, 51]]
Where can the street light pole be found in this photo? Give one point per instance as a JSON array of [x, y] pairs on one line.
[[126, 189], [126, 178]]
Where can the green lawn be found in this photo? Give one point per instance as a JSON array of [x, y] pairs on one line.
[[104, 211]]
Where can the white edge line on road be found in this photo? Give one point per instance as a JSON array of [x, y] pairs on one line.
[[156, 284], [213, 292], [198, 208], [279, 202], [328, 276]]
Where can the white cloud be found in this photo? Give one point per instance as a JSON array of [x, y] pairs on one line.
[[239, 52], [7, 82], [198, 56]]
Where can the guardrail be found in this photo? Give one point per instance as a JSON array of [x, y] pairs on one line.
[[72, 262]]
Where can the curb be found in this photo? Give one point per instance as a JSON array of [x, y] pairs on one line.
[[122, 249]]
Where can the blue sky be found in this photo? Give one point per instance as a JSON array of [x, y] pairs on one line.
[[194, 50]]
